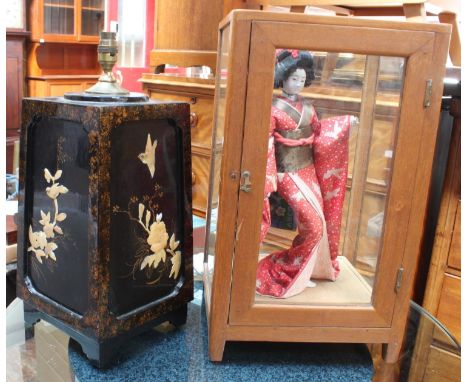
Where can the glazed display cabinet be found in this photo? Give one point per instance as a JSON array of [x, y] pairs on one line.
[[66, 20], [317, 199], [61, 54]]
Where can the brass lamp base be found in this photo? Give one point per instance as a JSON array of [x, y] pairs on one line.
[[107, 84], [107, 89]]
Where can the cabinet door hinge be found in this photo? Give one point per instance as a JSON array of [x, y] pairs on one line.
[[399, 277], [428, 93]]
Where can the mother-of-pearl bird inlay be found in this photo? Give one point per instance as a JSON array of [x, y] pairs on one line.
[[148, 157]]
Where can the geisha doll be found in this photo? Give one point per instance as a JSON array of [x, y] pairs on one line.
[[307, 165]]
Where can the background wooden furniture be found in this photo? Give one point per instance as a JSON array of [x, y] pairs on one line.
[[186, 32], [11, 247], [58, 85], [443, 288], [11, 230], [16, 35], [186, 35], [15, 83], [75, 21], [62, 55], [55, 68], [199, 94], [242, 115]]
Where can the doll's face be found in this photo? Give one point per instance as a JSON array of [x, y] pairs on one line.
[[295, 82]]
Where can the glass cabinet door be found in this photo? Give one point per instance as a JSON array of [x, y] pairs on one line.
[[327, 174], [72, 20], [59, 17], [92, 17], [318, 228], [216, 158]]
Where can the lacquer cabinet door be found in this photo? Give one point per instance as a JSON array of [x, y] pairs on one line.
[[380, 67]]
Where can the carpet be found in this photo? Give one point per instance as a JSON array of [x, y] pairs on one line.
[[181, 354]]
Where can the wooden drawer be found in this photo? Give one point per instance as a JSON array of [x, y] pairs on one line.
[[200, 182], [201, 113], [57, 87], [449, 311], [442, 366]]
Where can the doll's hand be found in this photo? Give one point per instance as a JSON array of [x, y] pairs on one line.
[[353, 123]]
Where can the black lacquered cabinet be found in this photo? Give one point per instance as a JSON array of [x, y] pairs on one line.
[[105, 224]]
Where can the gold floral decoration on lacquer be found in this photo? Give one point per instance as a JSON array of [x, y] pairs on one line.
[[156, 248], [157, 239], [43, 242]]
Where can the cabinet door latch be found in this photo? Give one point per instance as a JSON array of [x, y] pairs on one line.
[[246, 184], [398, 279], [428, 93]]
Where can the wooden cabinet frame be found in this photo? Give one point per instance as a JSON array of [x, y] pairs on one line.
[[37, 25], [230, 299]]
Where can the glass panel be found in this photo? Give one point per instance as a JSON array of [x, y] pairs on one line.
[[59, 16], [333, 123], [131, 36], [216, 157], [92, 17], [365, 249]]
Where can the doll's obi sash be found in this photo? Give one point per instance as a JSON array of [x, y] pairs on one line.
[[293, 149]]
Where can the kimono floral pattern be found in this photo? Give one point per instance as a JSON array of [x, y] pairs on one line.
[[43, 243], [315, 193]]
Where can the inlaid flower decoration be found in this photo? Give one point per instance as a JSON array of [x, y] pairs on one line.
[[42, 243], [158, 251], [158, 242]]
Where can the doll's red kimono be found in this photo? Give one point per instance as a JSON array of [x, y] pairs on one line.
[[307, 164]]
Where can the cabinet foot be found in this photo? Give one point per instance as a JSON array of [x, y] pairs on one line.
[[216, 349]]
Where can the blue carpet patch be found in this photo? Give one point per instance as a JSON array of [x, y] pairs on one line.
[[182, 355]]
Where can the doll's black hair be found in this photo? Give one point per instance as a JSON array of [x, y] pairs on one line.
[[286, 64]]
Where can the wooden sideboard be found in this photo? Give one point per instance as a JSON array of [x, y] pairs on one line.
[[56, 68], [62, 51], [58, 85], [442, 297], [199, 93], [186, 36], [15, 75], [73, 21]]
